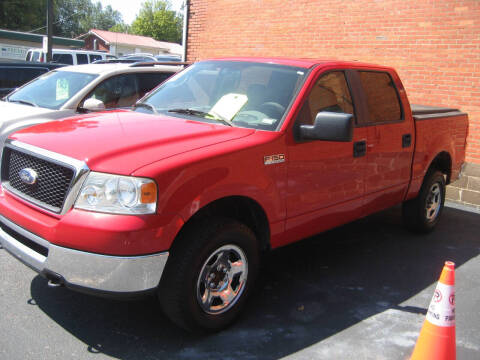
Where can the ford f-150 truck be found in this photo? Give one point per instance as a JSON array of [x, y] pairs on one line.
[[227, 159]]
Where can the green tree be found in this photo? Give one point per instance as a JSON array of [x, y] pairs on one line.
[[157, 20], [76, 17], [121, 27], [71, 17], [22, 15]]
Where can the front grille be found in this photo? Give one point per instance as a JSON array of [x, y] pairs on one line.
[[53, 180]]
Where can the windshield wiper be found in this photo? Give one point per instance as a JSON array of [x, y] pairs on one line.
[[202, 114], [145, 105], [25, 102]]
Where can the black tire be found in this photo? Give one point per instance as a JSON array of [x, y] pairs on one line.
[[184, 288], [422, 213]]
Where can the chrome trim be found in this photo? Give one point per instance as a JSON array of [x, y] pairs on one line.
[[79, 167], [117, 274], [107, 273]]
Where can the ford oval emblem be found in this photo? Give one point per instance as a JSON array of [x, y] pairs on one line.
[[28, 176]]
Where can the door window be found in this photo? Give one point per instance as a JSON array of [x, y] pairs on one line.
[[94, 57], [147, 81], [382, 98], [117, 91], [82, 59], [63, 58], [330, 93]]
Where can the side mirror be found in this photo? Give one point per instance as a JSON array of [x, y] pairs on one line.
[[329, 126], [92, 104]]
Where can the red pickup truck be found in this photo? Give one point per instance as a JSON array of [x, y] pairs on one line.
[[227, 159]]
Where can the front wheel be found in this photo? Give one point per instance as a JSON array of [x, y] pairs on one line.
[[422, 213], [210, 273]]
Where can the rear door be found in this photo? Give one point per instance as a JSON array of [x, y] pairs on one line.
[[390, 141]]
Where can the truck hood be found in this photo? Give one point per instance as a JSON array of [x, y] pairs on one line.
[[121, 142]]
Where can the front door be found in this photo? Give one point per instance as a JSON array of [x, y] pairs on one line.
[[325, 178]]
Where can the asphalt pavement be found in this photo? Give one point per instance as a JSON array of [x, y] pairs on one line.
[[357, 292]]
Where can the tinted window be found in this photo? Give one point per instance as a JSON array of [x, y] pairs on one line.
[[11, 77], [382, 99], [330, 93], [82, 59], [117, 91], [147, 81], [63, 58], [94, 57]]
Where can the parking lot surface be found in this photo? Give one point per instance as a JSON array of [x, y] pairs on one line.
[[357, 292]]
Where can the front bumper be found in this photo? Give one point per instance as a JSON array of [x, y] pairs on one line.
[[82, 270]]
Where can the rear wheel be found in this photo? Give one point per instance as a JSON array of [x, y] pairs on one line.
[[209, 275], [422, 213]]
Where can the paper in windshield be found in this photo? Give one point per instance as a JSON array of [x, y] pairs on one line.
[[229, 105]]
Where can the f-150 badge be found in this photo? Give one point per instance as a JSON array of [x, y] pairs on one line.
[[273, 159]]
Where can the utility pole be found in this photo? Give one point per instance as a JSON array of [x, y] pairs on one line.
[[49, 29]]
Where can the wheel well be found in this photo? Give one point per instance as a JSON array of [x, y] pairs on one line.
[[242, 209], [442, 163]]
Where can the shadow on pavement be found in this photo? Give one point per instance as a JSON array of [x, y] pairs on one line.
[[307, 292]]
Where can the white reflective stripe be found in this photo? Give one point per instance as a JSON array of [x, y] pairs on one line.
[[441, 311]]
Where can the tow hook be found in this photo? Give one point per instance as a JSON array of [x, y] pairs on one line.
[[54, 280], [54, 283]]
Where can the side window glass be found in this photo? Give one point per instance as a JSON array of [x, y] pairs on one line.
[[35, 56], [94, 57], [147, 81], [117, 91], [382, 99], [82, 59], [63, 58], [330, 93]]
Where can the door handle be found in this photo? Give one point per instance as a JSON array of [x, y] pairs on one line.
[[359, 148], [406, 140]]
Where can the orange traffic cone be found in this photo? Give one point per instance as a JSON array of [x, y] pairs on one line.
[[437, 337]]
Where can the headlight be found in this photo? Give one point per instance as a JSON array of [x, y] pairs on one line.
[[117, 194]]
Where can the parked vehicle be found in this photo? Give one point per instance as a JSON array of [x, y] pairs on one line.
[[173, 58], [14, 74], [78, 89], [68, 57], [222, 162], [149, 57]]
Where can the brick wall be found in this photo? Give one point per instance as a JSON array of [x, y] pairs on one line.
[[433, 44], [100, 43]]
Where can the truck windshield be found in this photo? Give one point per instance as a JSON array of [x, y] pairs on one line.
[[51, 90], [243, 94]]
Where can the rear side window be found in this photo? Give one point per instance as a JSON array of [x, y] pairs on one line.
[[147, 81], [63, 58], [94, 57], [35, 56], [82, 59], [382, 98]]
